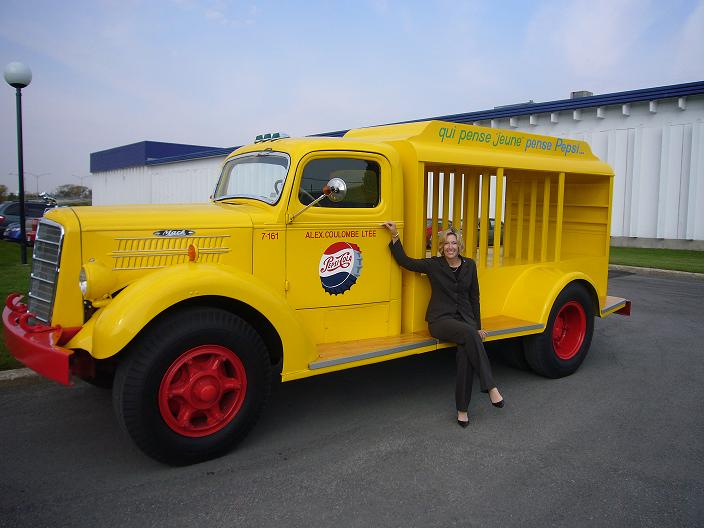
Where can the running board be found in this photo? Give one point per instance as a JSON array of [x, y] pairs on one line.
[[333, 354], [501, 325], [616, 305]]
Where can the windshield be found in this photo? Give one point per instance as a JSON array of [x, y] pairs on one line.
[[259, 175]]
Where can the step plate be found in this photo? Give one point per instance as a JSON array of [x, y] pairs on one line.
[[330, 362]]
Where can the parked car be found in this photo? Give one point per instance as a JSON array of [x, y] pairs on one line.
[[33, 209], [10, 211], [492, 222], [13, 233]]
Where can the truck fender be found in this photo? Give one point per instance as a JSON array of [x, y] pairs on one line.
[[112, 327], [536, 289]]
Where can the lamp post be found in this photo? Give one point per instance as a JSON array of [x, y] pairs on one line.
[[19, 76], [36, 177]]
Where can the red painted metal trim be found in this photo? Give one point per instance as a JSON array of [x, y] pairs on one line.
[[202, 391], [35, 346], [67, 334], [568, 330]]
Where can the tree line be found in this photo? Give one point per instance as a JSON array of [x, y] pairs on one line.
[[62, 192]]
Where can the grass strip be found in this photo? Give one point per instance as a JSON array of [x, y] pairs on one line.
[[668, 259], [14, 277]]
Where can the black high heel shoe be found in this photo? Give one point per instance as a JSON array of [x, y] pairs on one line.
[[498, 404], [463, 424]]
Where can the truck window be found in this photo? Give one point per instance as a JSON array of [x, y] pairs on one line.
[[260, 176], [361, 176]]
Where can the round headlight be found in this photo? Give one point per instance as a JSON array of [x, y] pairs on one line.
[[96, 281]]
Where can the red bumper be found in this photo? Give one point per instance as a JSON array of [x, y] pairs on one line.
[[35, 345]]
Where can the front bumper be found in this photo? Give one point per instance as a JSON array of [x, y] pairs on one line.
[[36, 346]]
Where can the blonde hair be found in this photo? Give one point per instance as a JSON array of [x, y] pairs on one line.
[[443, 236]]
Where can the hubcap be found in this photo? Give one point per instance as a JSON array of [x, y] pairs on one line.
[[202, 391], [569, 330]]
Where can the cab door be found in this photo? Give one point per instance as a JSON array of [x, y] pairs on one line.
[[338, 265]]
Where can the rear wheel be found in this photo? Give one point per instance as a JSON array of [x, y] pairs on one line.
[[192, 386], [561, 348]]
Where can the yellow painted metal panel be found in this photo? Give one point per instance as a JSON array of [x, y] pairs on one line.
[[546, 219], [68, 309], [426, 198], [457, 199], [533, 214], [469, 199], [475, 215], [452, 143], [607, 242], [559, 218], [498, 216], [520, 218], [436, 205], [484, 221], [508, 227]]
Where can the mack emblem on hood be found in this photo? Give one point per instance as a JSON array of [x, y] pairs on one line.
[[173, 233]]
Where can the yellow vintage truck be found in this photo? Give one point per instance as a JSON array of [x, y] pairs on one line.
[[190, 311]]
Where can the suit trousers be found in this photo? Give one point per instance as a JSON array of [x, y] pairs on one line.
[[470, 356]]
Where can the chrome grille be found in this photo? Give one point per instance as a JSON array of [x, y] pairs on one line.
[[45, 269]]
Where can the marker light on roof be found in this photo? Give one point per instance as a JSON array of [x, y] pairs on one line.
[[270, 137]]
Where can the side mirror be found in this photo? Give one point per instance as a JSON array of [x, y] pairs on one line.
[[335, 190]]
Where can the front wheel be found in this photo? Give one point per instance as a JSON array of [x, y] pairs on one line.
[[561, 348], [192, 386]]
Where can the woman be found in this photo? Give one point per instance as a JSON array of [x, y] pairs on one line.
[[453, 313]]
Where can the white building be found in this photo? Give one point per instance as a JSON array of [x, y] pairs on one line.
[[653, 138]]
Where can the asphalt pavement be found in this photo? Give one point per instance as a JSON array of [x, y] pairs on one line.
[[619, 443]]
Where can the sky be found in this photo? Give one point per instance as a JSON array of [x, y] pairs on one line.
[[108, 73]]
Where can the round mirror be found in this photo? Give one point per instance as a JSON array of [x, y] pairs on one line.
[[335, 190]]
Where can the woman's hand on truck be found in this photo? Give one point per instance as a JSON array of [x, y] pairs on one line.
[[391, 226]]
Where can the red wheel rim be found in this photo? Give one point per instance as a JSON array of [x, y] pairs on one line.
[[568, 330], [202, 391]]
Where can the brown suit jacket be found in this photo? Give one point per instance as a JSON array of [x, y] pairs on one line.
[[452, 293]]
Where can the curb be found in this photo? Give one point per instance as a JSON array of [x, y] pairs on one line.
[[654, 272], [22, 373], [17, 374]]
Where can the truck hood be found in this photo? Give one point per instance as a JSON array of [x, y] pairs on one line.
[[129, 242], [182, 217]]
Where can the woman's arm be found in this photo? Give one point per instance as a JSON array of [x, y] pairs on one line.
[[474, 301], [474, 296], [403, 260]]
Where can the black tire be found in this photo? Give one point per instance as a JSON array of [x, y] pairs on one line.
[[192, 386], [561, 348]]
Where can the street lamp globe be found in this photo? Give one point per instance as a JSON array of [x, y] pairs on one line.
[[18, 75]]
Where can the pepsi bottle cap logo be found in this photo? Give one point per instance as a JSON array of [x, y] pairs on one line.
[[340, 267]]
